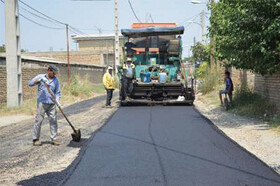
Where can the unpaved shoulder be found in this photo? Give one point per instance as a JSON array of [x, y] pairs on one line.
[[23, 164]]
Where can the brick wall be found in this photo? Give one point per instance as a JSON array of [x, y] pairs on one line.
[[268, 86], [81, 57], [3, 85], [242, 76], [32, 68]]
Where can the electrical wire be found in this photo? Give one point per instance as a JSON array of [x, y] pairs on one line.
[[41, 12], [190, 18], [56, 28], [77, 31], [45, 26], [133, 11], [36, 15], [151, 18]]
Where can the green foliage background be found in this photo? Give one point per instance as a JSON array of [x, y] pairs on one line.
[[247, 34]]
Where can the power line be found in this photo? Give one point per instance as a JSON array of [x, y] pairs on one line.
[[133, 11], [56, 28], [41, 13], [77, 30], [36, 15], [50, 18], [151, 18], [190, 18]]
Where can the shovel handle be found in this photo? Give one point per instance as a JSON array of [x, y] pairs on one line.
[[54, 100]]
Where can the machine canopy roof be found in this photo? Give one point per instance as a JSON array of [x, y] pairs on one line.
[[152, 31]]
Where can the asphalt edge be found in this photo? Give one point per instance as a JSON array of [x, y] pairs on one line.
[[72, 167], [219, 131]]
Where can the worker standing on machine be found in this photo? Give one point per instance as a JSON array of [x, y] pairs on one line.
[[128, 74]]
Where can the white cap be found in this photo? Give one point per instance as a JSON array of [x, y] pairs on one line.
[[110, 68], [129, 59]]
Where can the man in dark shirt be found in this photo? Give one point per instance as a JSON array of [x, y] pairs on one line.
[[229, 87], [129, 47]]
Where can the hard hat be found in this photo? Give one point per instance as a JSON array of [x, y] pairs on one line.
[[129, 59], [110, 68]]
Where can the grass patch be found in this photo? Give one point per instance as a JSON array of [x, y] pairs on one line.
[[81, 88], [275, 121], [28, 107], [78, 89], [247, 103]]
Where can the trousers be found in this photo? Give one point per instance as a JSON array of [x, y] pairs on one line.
[[127, 87], [109, 96], [50, 110]]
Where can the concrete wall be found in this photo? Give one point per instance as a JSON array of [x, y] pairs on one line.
[[31, 68]]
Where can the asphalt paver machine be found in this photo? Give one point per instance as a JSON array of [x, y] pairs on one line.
[[160, 75]]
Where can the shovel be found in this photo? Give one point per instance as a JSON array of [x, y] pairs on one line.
[[76, 136]]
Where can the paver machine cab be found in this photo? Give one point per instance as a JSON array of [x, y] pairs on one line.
[[159, 74]]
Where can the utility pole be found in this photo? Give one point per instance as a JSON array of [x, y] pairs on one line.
[[68, 53], [13, 54], [203, 39], [117, 43], [212, 41]]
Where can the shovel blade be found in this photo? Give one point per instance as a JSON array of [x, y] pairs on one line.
[[76, 136]]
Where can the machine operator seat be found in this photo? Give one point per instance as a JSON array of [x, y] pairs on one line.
[[173, 47]]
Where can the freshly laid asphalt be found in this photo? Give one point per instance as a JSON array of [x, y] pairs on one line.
[[166, 146]]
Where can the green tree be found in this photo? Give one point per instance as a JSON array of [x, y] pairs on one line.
[[200, 52], [2, 48], [247, 34]]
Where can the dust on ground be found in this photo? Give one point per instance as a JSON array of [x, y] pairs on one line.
[[254, 135], [20, 161]]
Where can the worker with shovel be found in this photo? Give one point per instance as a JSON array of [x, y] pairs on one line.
[[45, 103]]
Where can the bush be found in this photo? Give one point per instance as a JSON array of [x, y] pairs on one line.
[[79, 87], [248, 103], [210, 80], [200, 72]]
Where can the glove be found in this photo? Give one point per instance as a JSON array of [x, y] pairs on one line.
[[58, 104], [44, 80]]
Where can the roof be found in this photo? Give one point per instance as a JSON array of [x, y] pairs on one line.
[[52, 61], [146, 25], [152, 31], [88, 37]]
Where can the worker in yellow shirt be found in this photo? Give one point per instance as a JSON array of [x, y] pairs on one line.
[[108, 82]]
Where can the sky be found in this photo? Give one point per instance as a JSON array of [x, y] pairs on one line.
[[86, 16]]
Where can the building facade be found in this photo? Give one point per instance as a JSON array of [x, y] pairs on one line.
[[100, 43]]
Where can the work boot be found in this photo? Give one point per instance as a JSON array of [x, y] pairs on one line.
[[37, 142], [129, 99], [55, 143]]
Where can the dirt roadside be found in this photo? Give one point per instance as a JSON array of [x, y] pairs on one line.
[[21, 161], [255, 136]]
